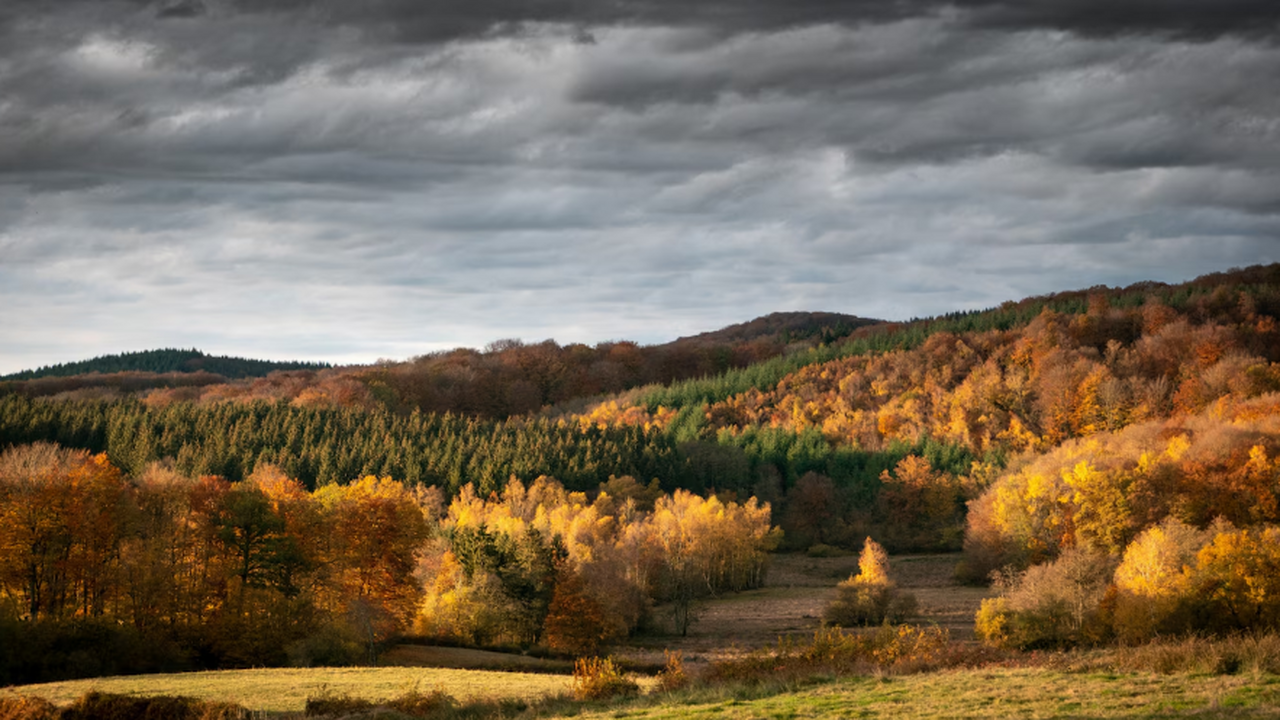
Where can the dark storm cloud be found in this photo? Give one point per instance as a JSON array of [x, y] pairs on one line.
[[390, 177], [414, 21]]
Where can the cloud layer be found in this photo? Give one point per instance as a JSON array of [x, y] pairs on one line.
[[347, 181]]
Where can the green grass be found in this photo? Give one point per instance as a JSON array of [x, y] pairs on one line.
[[991, 693], [286, 690]]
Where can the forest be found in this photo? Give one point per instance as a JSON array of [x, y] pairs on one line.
[[1109, 458], [169, 360]]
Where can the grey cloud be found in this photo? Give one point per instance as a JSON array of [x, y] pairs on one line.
[[181, 9], [451, 19], [393, 177]]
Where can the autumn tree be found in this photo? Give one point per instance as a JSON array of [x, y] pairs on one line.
[[63, 517], [1153, 581], [575, 621], [870, 597], [377, 527], [921, 507]]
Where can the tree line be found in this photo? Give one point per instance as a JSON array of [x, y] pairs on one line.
[[319, 445], [167, 360], [103, 571], [507, 378]]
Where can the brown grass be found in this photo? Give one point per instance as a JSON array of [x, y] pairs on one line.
[[791, 604], [287, 690]]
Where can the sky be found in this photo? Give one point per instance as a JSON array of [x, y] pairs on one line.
[[348, 181]]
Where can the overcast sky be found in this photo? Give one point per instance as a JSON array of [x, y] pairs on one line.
[[347, 180]]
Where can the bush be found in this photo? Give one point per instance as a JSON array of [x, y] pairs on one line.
[[422, 704], [328, 702], [600, 679], [414, 703], [870, 598], [1054, 605], [822, 550], [21, 707], [1253, 654], [50, 650], [673, 675], [111, 706], [330, 646]]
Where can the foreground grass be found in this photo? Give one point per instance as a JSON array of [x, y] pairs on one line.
[[987, 693], [998, 693], [903, 672], [286, 690]]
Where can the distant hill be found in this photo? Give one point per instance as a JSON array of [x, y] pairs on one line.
[[168, 360], [507, 378], [785, 328]]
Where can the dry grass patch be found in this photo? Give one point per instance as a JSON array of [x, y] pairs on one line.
[[791, 604], [287, 690]]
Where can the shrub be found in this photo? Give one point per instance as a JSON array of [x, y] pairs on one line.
[[328, 702], [1053, 605], [909, 649], [822, 550], [38, 651], [673, 675], [111, 706], [599, 679], [21, 707], [332, 645], [422, 704], [871, 597], [414, 703]]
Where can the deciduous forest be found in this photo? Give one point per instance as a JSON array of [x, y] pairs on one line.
[[1109, 458]]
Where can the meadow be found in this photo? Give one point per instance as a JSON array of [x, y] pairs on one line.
[[285, 690]]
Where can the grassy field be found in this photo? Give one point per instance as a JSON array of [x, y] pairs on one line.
[[286, 690], [791, 604], [996, 693], [999, 694]]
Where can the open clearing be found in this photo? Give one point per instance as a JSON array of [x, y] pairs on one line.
[[791, 603], [286, 690]]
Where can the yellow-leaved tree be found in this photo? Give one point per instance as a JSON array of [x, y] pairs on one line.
[[870, 597]]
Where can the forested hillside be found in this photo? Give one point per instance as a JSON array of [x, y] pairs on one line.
[[168, 360], [1112, 453], [508, 378]]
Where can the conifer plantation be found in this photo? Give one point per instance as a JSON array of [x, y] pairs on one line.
[[1111, 457]]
